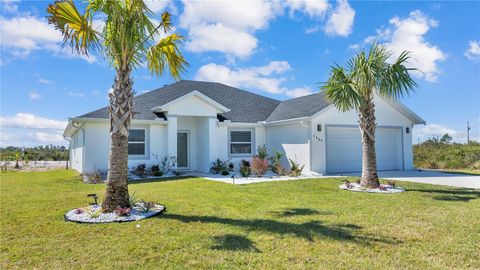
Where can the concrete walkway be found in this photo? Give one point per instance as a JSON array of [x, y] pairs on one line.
[[429, 177]]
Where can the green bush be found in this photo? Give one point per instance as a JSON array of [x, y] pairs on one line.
[[440, 154]]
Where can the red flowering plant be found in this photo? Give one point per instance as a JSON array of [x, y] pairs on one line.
[[123, 211]]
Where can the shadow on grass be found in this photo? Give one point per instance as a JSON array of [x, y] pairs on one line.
[[288, 212], [453, 195], [166, 179], [307, 230], [234, 242]]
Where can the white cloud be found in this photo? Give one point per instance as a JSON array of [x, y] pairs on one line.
[[217, 37], [25, 129], [247, 15], [23, 34], [316, 8], [28, 120], [473, 51], [44, 81], [229, 26], [226, 27], [159, 5], [341, 20], [299, 92], [422, 133], [76, 94], [34, 95], [408, 35], [265, 78]]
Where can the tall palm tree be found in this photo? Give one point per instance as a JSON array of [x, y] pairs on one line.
[[353, 88], [130, 38]]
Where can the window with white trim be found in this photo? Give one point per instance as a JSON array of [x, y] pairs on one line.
[[240, 142], [136, 142]]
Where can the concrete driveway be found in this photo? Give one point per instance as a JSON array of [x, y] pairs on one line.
[[429, 177]]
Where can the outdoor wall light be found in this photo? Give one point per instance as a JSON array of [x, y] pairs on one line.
[[319, 127], [94, 196], [407, 130]]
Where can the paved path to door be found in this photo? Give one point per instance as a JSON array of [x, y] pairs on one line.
[[430, 177]]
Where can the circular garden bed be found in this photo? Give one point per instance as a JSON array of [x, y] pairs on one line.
[[94, 213], [384, 189]]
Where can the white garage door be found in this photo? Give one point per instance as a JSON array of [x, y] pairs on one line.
[[344, 149]]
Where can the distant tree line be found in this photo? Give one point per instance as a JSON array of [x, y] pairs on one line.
[[38, 153]]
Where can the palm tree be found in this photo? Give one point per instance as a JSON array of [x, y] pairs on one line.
[[131, 37], [353, 88]]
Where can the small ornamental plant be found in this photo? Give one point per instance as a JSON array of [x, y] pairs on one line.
[[259, 166], [123, 211], [79, 211], [94, 213], [348, 184], [392, 184], [245, 168], [382, 187], [146, 206], [295, 168]]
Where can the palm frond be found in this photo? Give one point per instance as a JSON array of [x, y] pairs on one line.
[[166, 54], [342, 91], [77, 29], [396, 80]]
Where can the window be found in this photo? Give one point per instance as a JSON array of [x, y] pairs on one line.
[[240, 142], [136, 142]]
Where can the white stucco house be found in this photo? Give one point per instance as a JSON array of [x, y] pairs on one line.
[[199, 122]]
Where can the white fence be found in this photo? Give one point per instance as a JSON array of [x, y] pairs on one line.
[[40, 164]]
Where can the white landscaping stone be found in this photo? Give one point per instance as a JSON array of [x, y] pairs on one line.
[[358, 188], [85, 217]]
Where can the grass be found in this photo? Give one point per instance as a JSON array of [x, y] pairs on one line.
[[277, 225], [465, 171]]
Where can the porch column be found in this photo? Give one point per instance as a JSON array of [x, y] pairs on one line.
[[212, 141], [172, 135]]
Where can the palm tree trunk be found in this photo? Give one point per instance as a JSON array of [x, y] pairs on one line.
[[369, 159], [121, 112]]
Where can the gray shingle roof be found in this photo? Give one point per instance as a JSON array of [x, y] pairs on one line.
[[299, 107], [244, 106]]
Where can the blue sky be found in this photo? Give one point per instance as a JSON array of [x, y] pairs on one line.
[[279, 49]]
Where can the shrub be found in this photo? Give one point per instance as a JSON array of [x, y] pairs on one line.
[[219, 166], [259, 166], [167, 163], [140, 170], [95, 176], [262, 152], [225, 172], [295, 168], [276, 166], [155, 170], [245, 169], [123, 211], [438, 153]]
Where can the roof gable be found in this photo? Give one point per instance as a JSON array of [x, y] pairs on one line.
[[194, 103]]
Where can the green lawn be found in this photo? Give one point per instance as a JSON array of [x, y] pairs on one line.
[[278, 225]]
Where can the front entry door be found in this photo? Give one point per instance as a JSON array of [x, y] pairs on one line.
[[182, 150]]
